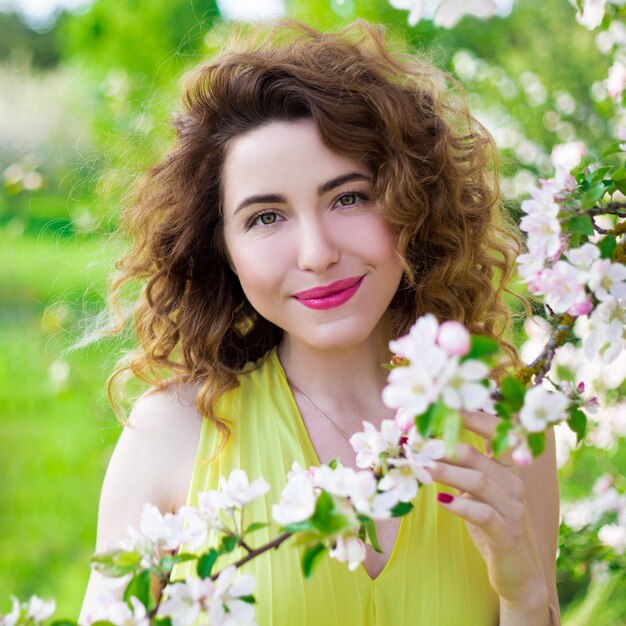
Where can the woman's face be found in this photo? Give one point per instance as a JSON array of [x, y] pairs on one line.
[[299, 217]]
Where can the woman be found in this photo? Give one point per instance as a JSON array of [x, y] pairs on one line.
[[322, 193]]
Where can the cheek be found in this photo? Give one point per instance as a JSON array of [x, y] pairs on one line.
[[257, 265]]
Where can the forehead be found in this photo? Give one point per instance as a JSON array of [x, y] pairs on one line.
[[281, 158]]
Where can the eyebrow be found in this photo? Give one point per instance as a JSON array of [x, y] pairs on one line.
[[275, 198]]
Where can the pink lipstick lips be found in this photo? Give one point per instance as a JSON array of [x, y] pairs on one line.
[[330, 296]]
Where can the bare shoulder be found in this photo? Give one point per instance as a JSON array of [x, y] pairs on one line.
[[152, 461]]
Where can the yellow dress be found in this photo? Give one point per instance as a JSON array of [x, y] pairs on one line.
[[434, 575]]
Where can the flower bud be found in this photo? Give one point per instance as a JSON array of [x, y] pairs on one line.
[[454, 338]]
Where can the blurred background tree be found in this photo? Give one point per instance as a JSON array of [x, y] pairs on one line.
[[85, 108]]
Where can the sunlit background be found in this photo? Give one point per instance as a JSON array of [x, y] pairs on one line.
[[86, 93]]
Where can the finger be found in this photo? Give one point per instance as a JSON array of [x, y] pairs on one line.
[[468, 456], [479, 422], [505, 475], [484, 424], [481, 487], [478, 513]]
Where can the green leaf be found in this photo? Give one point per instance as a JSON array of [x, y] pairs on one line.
[[619, 173], [513, 392], [503, 410], [577, 422], [255, 526], [371, 533], [206, 563], [228, 544], [582, 223], [161, 621], [139, 586], [451, 432], [63, 622], [333, 464], [168, 561], [500, 441], [599, 173], [537, 443], [621, 185], [117, 562], [425, 421], [607, 246], [249, 599], [299, 527], [102, 622], [589, 198], [325, 518], [481, 347], [402, 508], [614, 148], [311, 556]]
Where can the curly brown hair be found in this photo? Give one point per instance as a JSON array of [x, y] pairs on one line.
[[435, 176]]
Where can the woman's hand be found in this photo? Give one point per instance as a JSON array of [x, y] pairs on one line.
[[492, 502]]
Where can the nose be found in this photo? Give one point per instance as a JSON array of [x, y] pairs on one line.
[[318, 249]]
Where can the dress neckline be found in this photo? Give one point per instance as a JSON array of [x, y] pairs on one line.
[[312, 453]]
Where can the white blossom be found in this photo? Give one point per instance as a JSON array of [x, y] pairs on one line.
[[450, 12], [414, 7], [607, 280], [462, 386], [39, 610], [614, 536], [371, 443], [184, 601], [108, 608], [227, 607], [297, 500], [350, 549], [10, 619], [237, 489], [166, 530], [568, 155], [592, 13], [541, 408]]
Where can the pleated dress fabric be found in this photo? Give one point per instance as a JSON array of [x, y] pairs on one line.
[[434, 575]]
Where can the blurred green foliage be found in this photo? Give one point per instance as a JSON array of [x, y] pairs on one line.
[[84, 110]]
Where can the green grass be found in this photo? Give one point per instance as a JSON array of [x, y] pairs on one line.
[[56, 437]]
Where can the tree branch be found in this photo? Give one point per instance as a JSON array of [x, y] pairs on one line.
[[254, 553], [541, 365]]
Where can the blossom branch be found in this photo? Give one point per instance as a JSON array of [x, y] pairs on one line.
[[541, 365], [258, 551]]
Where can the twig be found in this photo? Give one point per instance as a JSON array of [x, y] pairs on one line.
[[541, 365], [254, 553]]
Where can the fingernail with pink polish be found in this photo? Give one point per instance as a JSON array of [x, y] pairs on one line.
[[445, 498]]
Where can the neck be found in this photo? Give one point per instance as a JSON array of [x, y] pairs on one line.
[[345, 383]]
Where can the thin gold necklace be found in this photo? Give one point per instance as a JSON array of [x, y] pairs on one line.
[[337, 428]]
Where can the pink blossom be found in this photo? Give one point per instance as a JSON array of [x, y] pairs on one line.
[[544, 233], [403, 420], [454, 338], [522, 455], [616, 81], [568, 155]]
